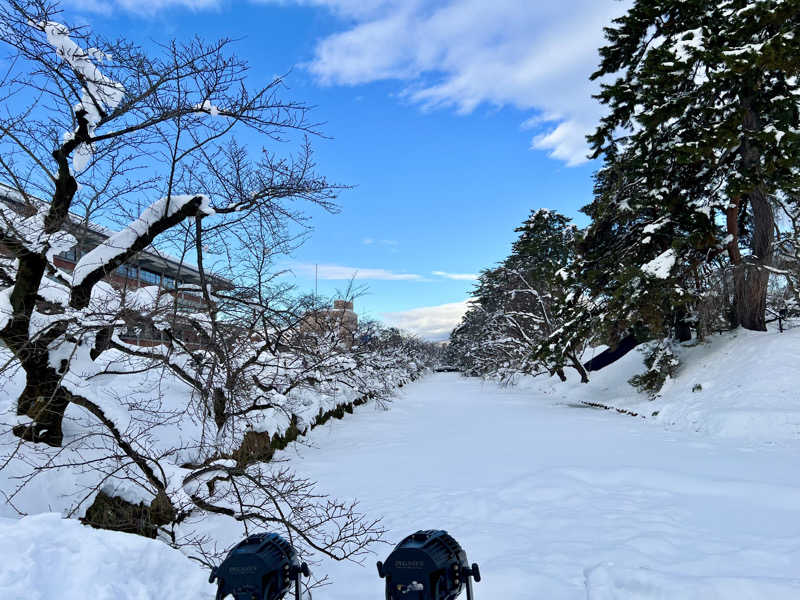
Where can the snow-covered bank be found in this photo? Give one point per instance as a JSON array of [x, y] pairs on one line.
[[44, 557], [126, 398], [743, 384], [546, 494]]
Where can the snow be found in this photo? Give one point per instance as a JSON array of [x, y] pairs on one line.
[[129, 401], [736, 385], [6, 310], [661, 265], [119, 243], [209, 108], [559, 501], [99, 94], [43, 557], [31, 232], [610, 583], [553, 499], [653, 227]]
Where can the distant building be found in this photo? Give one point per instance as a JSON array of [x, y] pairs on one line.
[[340, 319], [149, 268]]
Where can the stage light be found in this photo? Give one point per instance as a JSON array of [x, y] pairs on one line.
[[261, 567], [428, 565]]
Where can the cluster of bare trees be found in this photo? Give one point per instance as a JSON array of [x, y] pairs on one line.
[[176, 151]]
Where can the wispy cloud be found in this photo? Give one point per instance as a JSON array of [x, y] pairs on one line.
[[141, 7], [430, 322], [368, 241], [342, 273], [457, 276]]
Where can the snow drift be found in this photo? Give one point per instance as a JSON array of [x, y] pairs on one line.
[[45, 557]]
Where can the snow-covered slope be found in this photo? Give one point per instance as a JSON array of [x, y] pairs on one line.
[[743, 384]]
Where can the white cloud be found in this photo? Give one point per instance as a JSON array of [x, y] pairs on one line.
[[457, 276], [343, 273], [143, 7], [465, 53], [429, 322], [461, 54], [370, 241]]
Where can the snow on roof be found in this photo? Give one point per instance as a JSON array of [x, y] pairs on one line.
[[11, 194]]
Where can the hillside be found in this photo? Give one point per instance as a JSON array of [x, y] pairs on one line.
[[741, 384]]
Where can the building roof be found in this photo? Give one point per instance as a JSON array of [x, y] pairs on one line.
[[150, 258]]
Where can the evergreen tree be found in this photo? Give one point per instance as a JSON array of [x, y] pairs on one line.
[[514, 308], [702, 137]]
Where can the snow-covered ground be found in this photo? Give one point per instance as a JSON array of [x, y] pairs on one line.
[[554, 500], [45, 557]]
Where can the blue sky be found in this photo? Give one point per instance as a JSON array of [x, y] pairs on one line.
[[452, 119]]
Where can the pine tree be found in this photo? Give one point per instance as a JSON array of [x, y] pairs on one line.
[[701, 138], [515, 301]]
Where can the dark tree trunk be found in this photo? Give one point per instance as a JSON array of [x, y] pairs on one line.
[[750, 299], [219, 408], [102, 342], [576, 364], [683, 329], [611, 355], [750, 275], [43, 400]]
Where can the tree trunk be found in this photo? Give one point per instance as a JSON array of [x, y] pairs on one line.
[[683, 328], [750, 276], [43, 400], [219, 408], [576, 364]]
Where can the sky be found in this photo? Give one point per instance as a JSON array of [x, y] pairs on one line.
[[450, 119]]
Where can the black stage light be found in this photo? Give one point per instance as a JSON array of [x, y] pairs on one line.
[[261, 567], [428, 565]]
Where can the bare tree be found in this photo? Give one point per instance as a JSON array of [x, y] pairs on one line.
[[100, 131], [164, 126]]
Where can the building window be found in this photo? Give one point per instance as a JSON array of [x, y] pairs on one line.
[[71, 254], [127, 271], [150, 277], [169, 282]]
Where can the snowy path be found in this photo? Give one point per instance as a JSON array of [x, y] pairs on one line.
[[537, 492]]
